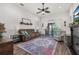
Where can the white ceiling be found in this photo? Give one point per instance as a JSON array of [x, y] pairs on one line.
[[55, 8]]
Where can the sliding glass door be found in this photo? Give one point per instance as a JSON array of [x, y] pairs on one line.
[[50, 28]]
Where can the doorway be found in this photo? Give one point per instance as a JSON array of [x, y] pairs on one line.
[[50, 29]]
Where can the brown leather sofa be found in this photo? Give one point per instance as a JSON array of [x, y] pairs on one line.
[[31, 32]]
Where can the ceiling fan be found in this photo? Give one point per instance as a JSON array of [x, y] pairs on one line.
[[43, 10]]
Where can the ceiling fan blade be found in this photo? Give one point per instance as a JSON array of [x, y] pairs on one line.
[[46, 8], [21, 4], [38, 12], [39, 9], [47, 11]]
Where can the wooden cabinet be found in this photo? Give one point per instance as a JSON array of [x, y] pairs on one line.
[[6, 46], [75, 38]]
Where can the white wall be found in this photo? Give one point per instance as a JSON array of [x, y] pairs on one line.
[[11, 14], [59, 19]]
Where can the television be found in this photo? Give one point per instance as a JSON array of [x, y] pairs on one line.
[[76, 15]]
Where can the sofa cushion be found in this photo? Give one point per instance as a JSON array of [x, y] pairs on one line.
[[25, 33]]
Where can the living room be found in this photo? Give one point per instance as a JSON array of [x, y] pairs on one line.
[[36, 21]]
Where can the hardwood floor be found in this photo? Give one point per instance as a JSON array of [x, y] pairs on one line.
[[18, 51], [61, 49]]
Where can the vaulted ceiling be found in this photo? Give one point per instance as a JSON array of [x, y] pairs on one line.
[[54, 8]]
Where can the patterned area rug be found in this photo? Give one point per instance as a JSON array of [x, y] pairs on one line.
[[39, 46]]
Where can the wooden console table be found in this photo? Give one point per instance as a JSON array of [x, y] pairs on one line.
[[6, 46]]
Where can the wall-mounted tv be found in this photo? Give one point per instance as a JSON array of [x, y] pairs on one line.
[[76, 15]]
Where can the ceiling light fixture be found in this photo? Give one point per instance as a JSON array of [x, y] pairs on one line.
[[43, 10]]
